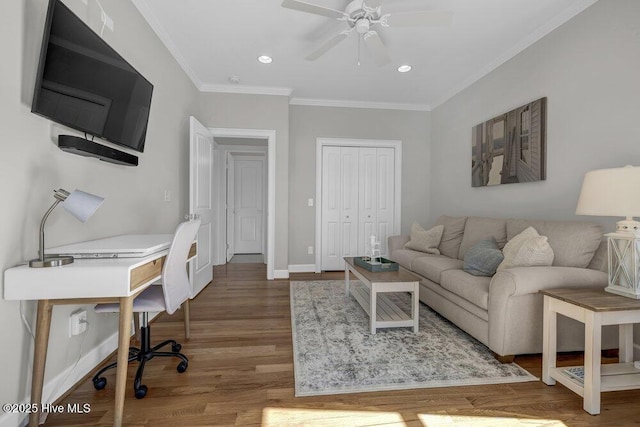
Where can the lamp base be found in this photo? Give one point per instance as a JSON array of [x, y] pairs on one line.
[[51, 261]]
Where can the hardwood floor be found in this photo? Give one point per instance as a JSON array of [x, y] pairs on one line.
[[241, 374]]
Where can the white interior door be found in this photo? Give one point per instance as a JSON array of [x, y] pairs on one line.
[[339, 206], [201, 161], [248, 204]]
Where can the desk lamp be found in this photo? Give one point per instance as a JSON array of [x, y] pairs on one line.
[[79, 204], [614, 192]]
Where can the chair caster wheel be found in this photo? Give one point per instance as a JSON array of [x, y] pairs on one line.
[[141, 392], [176, 348], [182, 366], [99, 383]]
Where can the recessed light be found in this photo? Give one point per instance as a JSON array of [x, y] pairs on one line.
[[265, 59], [404, 68]]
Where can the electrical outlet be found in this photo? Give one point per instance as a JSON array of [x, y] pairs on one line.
[[77, 322], [310, 250], [167, 195], [310, 202]]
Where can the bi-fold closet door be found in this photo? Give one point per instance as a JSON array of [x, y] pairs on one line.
[[358, 201]]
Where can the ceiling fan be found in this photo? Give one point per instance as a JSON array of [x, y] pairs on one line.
[[365, 17]]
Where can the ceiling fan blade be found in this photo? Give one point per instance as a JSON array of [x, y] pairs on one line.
[[373, 3], [377, 48], [313, 8], [419, 18], [326, 46]]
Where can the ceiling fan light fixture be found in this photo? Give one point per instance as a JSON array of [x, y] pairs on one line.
[[265, 59], [404, 68]]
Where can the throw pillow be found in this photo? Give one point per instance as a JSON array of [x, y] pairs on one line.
[[483, 258], [425, 240], [527, 249]]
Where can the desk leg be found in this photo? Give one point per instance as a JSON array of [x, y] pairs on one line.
[[43, 324], [592, 347], [126, 306], [549, 341]]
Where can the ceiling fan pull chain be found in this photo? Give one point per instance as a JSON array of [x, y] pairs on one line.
[[359, 50]]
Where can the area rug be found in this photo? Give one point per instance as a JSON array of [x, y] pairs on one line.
[[334, 352]]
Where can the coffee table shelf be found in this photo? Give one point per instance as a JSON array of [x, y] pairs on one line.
[[388, 314]]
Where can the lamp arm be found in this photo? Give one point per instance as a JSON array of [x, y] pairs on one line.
[[44, 219]]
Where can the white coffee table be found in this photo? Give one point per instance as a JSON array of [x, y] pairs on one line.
[[383, 313]]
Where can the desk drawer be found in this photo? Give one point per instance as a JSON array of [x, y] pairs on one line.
[[142, 274]]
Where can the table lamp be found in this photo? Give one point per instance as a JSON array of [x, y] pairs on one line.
[[616, 192], [79, 204]]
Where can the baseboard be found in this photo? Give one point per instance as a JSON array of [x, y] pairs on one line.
[[302, 268], [280, 274], [64, 381]]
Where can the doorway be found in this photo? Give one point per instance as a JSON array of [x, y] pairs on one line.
[[241, 143], [246, 203]]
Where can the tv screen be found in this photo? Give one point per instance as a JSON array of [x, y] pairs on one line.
[[84, 84]]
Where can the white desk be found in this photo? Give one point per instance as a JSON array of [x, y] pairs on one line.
[[85, 281]]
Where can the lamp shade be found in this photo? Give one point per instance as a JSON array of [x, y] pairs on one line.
[[611, 192], [82, 205]]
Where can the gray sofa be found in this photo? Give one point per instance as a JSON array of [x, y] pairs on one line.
[[504, 312]]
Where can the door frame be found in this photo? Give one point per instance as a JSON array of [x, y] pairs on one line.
[[233, 155], [270, 136], [349, 142]]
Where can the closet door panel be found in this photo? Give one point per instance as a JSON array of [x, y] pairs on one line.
[[385, 195], [367, 198], [349, 206], [331, 212]]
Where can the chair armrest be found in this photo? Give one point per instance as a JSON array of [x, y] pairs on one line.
[[396, 242]]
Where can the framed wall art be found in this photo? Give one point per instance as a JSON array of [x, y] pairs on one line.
[[511, 147]]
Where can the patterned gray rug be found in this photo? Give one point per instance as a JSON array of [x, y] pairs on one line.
[[333, 351]]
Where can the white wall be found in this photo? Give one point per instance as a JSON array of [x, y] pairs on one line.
[[309, 123], [31, 166], [588, 70], [266, 112]]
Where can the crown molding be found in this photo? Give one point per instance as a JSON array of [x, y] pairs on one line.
[[576, 8], [358, 104], [154, 23], [249, 90]]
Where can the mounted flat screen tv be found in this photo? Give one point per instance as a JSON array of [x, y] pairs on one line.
[[84, 84]]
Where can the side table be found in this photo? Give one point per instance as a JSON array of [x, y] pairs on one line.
[[593, 308]]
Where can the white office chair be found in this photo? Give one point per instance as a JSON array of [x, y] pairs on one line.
[[174, 291]]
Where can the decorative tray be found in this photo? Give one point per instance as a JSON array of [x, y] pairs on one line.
[[377, 264]]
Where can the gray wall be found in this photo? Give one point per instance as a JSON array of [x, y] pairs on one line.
[[221, 110], [588, 70], [31, 166], [309, 123]]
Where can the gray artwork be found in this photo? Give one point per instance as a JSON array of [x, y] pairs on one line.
[[511, 147]]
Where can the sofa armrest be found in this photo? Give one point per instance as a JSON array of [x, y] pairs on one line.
[[515, 307], [396, 242], [529, 280]]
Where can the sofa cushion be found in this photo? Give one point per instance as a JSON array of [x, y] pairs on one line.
[[527, 249], [574, 243], [474, 289], [432, 266], [405, 257], [483, 258], [425, 240], [452, 234], [478, 228]]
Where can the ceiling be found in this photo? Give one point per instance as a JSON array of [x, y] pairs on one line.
[[214, 40]]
